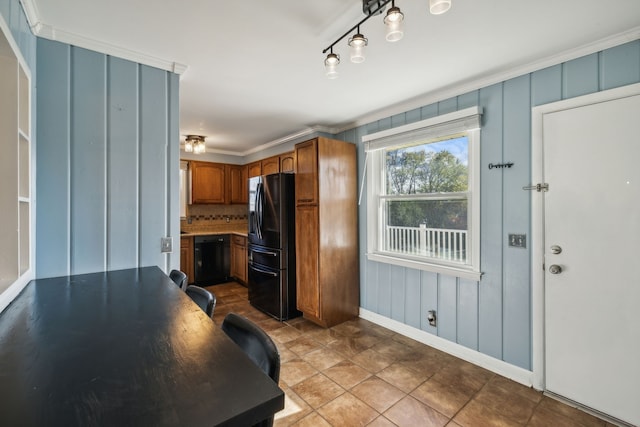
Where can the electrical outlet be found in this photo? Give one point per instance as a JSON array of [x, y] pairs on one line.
[[166, 244], [518, 240], [431, 317]]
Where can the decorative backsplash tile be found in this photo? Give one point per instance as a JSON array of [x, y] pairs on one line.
[[207, 217]]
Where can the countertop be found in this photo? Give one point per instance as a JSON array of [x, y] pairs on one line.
[[235, 230]]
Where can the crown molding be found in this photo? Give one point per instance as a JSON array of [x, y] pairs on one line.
[[50, 32], [293, 136], [31, 12], [463, 87]]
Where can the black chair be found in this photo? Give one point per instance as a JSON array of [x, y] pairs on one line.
[[205, 299], [257, 345], [179, 278]]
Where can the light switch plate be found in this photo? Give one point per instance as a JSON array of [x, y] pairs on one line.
[[166, 244], [518, 240]]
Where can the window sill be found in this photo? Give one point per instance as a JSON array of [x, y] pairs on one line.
[[462, 272]]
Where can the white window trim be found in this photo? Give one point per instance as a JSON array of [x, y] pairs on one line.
[[468, 121]]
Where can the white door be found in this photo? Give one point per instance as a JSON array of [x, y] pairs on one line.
[[591, 161]]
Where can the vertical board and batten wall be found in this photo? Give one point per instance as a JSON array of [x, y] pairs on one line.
[[14, 17], [107, 163], [492, 316]]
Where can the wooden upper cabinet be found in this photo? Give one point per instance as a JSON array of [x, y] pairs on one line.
[[237, 176], [288, 162], [271, 165], [255, 169], [306, 161], [208, 182]]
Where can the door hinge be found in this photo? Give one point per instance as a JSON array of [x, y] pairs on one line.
[[538, 187]]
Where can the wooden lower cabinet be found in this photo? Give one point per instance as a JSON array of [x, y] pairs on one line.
[[327, 269], [239, 266], [307, 274], [186, 257]]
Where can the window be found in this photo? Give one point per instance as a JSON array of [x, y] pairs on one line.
[[423, 194]]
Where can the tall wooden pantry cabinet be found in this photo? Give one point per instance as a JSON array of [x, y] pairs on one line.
[[327, 270]]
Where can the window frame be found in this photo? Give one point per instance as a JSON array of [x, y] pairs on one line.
[[465, 122]]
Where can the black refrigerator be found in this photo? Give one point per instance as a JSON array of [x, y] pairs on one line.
[[271, 245]]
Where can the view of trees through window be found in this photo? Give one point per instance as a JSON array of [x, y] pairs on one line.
[[426, 199]]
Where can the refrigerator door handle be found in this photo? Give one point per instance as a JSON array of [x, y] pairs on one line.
[[260, 270], [263, 252], [259, 210]]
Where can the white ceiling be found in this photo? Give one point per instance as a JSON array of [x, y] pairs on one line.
[[254, 68]]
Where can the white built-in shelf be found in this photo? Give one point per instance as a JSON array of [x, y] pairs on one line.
[[15, 169]]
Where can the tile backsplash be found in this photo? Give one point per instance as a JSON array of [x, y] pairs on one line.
[[206, 216]]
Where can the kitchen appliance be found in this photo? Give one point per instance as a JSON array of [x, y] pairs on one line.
[[271, 245], [212, 259]]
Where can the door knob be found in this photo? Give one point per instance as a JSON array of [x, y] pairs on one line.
[[555, 269]]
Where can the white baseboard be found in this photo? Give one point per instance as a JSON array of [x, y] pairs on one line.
[[12, 291], [500, 367]]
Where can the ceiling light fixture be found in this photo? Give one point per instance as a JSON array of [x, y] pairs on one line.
[[194, 144], [330, 64], [438, 7], [357, 44], [393, 20]]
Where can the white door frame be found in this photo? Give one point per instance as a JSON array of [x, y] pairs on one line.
[[537, 214]]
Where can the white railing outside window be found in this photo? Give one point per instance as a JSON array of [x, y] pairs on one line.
[[439, 243]]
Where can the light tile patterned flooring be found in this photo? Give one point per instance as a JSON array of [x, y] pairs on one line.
[[361, 374]]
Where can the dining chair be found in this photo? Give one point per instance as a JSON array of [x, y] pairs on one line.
[[179, 278], [205, 299], [257, 345]]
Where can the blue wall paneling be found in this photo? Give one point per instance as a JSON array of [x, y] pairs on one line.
[[493, 315], [108, 162]]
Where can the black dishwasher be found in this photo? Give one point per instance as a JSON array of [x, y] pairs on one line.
[[212, 259]]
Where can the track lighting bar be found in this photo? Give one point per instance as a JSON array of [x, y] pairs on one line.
[[381, 6], [394, 32]]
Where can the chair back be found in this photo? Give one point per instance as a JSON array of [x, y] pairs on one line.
[[255, 343], [205, 299], [179, 278]]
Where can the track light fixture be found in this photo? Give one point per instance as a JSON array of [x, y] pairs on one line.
[[194, 144], [438, 7], [357, 44], [393, 21], [330, 65]]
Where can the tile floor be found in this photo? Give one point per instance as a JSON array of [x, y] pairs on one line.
[[361, 374]]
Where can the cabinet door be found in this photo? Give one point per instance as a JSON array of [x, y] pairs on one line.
[[186, 257], [287, 162], [271, 165], [307, 273], [306, 156], [238, 184], [239, 258], [208, 182], [255, 169]]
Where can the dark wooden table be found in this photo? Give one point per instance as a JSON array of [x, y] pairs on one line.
[[123, 348]]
